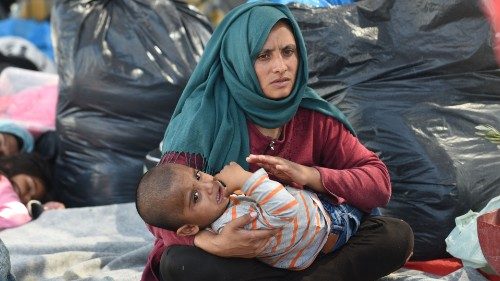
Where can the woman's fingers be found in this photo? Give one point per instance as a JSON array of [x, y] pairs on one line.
[[252, 235], [269, 163], [250, 242], [242, 221], [272, 160], [285, 170]]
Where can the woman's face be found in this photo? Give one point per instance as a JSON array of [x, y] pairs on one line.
[[277, 63], [28, 187], [8, 145]]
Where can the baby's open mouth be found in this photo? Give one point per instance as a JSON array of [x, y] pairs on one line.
[[220, 192]]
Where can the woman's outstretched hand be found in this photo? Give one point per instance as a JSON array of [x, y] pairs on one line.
[[288, 171], [234, 240]]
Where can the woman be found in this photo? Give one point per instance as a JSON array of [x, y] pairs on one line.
[[248, 95]]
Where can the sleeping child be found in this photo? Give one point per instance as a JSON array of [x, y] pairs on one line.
[[24, 182]]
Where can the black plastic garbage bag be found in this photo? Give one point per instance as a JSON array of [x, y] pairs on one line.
[[122, 66], [415, 78]]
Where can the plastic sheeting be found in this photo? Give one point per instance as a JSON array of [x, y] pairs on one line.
[[463, 241], [36, 32], [312, 3], [122, 66], [415, 78], [19, 52]]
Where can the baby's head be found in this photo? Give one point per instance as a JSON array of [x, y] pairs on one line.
[[14, 139], [29, 174], [180, 198]]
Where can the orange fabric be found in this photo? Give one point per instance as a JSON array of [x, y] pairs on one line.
[[295, 229], [299, 254], [330, 243], [271, 194], [439, 267], [278, 240], [285, 207], [257, 183], [233, 213]]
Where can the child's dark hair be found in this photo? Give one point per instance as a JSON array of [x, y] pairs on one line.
[[156, 200], [30, 164]]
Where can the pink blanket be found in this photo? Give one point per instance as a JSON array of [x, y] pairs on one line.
[[32, 108]]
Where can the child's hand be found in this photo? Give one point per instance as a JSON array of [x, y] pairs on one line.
[[233, 176], [53, 205]]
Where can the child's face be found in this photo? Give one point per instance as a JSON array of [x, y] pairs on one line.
[[28, 187], [204, 198]]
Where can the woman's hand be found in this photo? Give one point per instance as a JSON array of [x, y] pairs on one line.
[[288, 171], [234, 240]]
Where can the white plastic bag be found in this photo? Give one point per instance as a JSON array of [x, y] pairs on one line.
[[463, 242]]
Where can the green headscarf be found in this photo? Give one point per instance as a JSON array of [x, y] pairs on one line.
[[223, 91]]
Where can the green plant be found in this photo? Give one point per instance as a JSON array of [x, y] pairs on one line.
[[489, 132]]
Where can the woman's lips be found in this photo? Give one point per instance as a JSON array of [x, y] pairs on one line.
[[281, 82]]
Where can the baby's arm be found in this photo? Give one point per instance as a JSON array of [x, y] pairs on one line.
[[233, 177], [12, 212], [272, 197]]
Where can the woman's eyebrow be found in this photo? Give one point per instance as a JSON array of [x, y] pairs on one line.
[[290, 46], [265, 50]]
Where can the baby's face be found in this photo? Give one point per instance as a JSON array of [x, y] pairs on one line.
[[28, 187], [204, 198]]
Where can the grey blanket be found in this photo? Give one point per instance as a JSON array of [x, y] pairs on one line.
[[109, 243], [92, 243]]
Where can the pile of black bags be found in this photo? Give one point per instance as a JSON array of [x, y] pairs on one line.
[[415, 79], [122, 66]]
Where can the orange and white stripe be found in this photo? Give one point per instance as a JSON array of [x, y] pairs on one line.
[[299, 213]]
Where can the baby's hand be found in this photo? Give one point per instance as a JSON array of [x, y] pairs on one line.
[[233, 176], [53, 205]]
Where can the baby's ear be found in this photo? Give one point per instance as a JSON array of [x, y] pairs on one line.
[[187, 230]]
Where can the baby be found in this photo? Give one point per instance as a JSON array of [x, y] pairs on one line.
[[179, 198], [24, 182]]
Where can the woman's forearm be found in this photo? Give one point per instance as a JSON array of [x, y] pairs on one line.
[[204, 240], [314, 182]]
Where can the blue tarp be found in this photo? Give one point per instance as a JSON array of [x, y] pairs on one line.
[[37, 32]]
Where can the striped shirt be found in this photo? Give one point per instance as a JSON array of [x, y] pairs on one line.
[[299, 213]]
